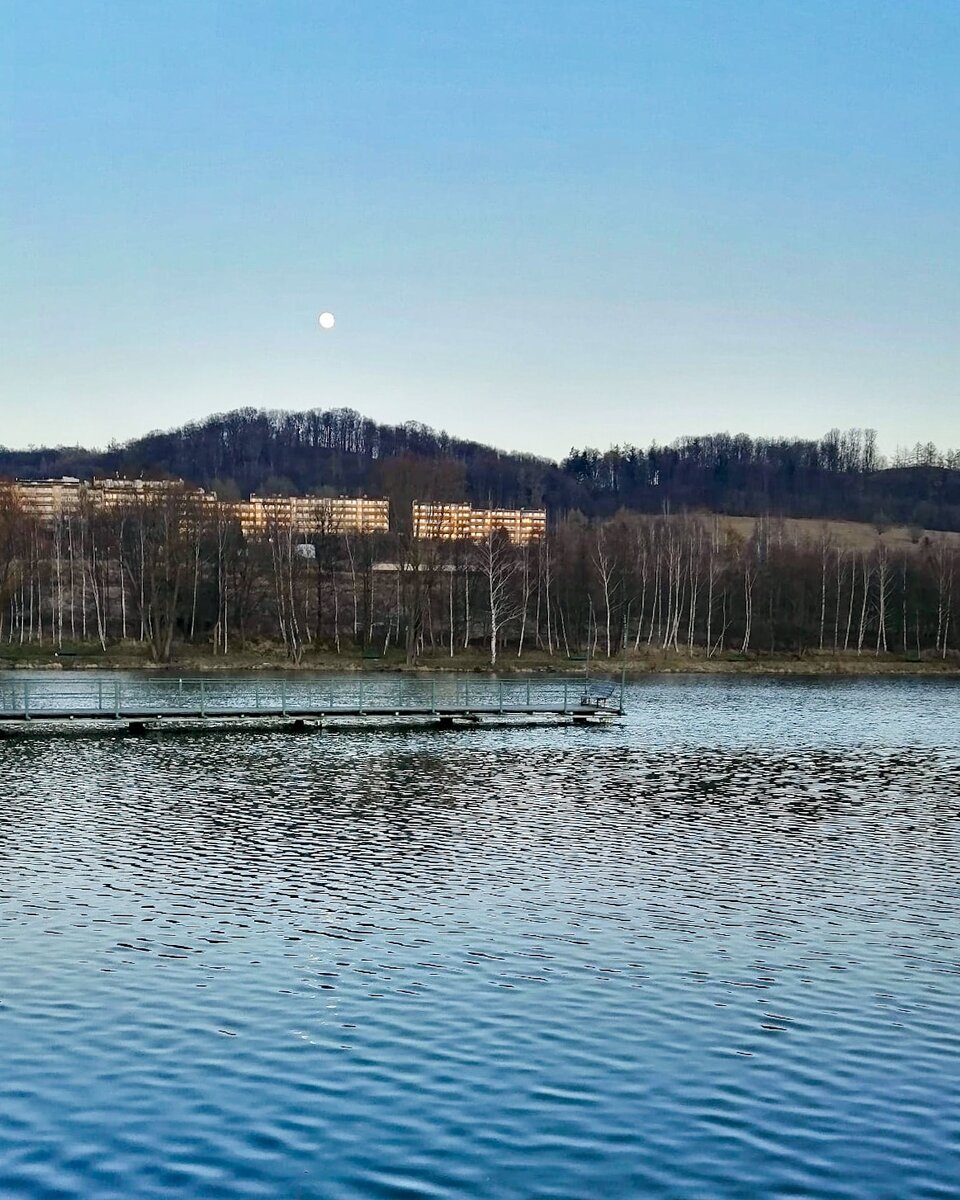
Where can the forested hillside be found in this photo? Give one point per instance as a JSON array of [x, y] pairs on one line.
[[841, 475]]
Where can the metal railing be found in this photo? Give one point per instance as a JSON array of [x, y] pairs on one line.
[[118, 697]]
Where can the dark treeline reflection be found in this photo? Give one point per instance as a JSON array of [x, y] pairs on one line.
[[172, 571]]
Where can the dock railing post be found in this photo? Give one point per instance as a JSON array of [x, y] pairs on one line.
[[116, 699], [26, 699], [565, 686], [623, 679], [501, 695], [528, 693], [433, 695], [283, 696], [360, 706], [203, 699], [466, 693], [99, 695]]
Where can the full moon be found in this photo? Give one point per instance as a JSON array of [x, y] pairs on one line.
[[327, 320]]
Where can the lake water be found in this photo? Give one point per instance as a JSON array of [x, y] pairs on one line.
[[713, 951]]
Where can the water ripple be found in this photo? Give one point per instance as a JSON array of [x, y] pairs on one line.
[[712, 953]]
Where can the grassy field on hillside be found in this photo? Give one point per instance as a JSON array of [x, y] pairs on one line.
[[851, 535]]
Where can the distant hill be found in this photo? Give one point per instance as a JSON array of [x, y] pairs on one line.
[[839, 476]]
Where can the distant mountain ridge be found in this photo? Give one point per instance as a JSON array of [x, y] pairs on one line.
[[338, 450]]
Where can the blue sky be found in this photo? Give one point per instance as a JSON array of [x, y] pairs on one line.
[[538, 224]]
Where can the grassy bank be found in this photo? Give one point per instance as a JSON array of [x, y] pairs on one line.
[[270, 657]]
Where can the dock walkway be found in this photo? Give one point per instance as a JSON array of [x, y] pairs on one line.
[[444, 702]]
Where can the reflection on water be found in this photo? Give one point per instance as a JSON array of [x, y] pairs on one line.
[[713, 952]]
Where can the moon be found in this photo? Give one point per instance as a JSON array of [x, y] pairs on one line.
[[327, 320]]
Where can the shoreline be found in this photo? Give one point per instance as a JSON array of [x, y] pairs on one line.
[[633, 666]]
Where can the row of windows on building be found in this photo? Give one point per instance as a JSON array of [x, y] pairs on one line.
[[53, 498]]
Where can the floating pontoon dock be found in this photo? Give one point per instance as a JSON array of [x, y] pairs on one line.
[[299, 704]]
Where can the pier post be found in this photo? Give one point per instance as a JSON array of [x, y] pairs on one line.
[[116, 699], [26, 699], [528, 693], [501, 695], [360, 706], [99, 695], [283, 696], [203, 699], [565, 686], [433, 695]]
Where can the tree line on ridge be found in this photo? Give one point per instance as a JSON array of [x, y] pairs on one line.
[[841, 475]]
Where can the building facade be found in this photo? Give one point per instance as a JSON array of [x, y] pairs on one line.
[[314, 514], [51, 499], [106, 495], [461, 522], [48, 499]]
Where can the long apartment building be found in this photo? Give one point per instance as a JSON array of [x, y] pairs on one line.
[[49, 499], [108, 494], [52, 498], [463, 523], [314, 514]]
